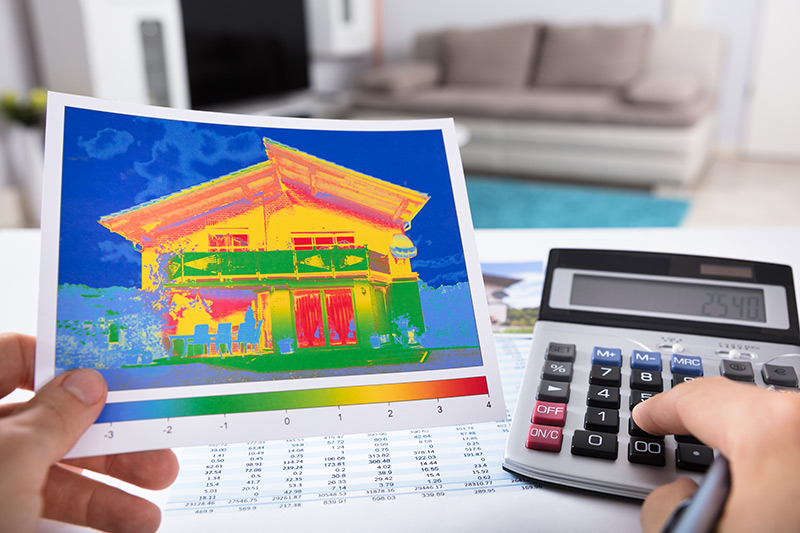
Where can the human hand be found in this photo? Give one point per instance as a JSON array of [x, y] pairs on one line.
[[34, 437], [756, 429]]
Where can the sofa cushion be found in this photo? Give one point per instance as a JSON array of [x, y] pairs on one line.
[[599, 106], [498, 57], [592, 55], [399, 77], [663, 88]]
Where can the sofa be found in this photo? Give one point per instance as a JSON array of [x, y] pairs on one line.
[[628, 104]]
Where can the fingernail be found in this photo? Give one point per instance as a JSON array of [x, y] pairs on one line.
[[86, 385]]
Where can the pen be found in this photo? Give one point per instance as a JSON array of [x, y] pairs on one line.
[[700, 513]]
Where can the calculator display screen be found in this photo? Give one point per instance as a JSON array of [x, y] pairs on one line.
[[715, 301]]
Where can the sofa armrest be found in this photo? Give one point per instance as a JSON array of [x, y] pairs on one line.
[[401, 77], [663, 89]]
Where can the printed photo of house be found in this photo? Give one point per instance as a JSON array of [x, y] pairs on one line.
[[201, 253]]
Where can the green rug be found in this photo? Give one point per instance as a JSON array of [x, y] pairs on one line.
[[514, 203]]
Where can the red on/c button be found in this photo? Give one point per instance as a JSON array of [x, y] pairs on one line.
[[549, 414], [545, 438]]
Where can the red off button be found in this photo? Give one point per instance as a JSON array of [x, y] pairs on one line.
[[544, 438], [549, 414]]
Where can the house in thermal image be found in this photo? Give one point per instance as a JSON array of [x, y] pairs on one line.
[[294, 262]]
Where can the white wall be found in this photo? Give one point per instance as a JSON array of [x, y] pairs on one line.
[[402, 19], [772, 121], [16, 68], [737, 22], [16, 65]]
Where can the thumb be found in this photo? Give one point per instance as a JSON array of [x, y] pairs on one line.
[[62, 411], [661, 503]]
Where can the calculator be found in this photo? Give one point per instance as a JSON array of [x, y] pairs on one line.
[[616, 328]]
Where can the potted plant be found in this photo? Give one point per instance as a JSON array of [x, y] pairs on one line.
[[27, 112]]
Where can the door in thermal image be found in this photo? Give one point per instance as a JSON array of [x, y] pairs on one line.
[[324, 318]]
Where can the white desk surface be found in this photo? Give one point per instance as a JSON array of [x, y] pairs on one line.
[[554, 510]]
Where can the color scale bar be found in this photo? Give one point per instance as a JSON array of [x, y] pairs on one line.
[[298, 399]]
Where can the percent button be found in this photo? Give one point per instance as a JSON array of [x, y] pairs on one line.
[[557, 371]]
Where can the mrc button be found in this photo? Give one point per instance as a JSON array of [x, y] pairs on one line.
[[606, 356], [686, 364]]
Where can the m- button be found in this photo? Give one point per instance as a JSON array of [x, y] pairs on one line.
[[646, 360]]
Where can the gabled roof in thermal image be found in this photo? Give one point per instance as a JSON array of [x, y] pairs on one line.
[[287, 173]]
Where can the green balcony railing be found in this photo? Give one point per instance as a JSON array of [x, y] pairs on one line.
[[279, 263]]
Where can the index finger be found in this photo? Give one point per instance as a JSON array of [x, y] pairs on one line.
[[715, 410], [16, 361]]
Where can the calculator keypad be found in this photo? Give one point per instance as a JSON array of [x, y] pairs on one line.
[[601, 413]]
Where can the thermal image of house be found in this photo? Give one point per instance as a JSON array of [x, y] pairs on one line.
[[289, 256]]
